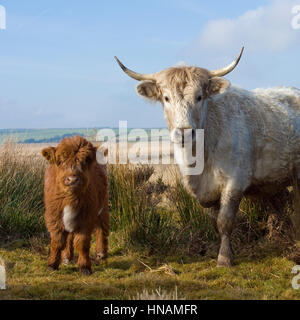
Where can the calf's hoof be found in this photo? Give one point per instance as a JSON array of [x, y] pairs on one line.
[[66, 261], [53, 266], [101, 256], [86, 271], [226, 262]]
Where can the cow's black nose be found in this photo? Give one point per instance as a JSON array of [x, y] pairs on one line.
[[188, 133], [193, 134], [183, 135]]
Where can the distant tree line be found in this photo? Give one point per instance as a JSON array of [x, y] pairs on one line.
[[54, 139]]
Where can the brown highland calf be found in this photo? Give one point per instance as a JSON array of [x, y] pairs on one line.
[[76, 202]]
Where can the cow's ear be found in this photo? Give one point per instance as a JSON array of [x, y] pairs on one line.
[[49, 154], [218, 85], [148, 90]]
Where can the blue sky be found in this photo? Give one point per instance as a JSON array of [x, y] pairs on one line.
[[56, 57]]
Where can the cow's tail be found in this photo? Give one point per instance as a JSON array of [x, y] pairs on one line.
[[296, 215]]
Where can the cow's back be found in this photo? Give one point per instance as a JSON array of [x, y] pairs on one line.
[[256, 136], [280, 143]]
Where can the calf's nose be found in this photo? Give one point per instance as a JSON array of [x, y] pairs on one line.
[[71, 180]]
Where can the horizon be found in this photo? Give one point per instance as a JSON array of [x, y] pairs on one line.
[[55, 135]]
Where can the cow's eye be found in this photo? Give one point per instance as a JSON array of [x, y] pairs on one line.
[[199, 98], [167, 99], [85, 162]]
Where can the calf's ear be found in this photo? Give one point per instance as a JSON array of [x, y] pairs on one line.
[[49, 154], [148, 90], [218, 85], [104, 149], [101, 154]]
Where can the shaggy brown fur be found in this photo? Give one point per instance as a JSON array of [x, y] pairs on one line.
[[76, 202]]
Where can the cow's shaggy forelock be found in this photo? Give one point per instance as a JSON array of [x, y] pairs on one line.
[[176, 79], [75, 149]]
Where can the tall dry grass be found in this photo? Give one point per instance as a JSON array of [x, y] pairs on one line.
[[135, 211], [146, 213], [21, 193]]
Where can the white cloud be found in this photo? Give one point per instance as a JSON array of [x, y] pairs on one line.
[[272, 46], [268, 28]]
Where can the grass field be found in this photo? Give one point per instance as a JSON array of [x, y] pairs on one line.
[[124, 276], [162, 242]]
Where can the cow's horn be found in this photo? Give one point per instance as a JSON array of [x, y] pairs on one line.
[[135, 75], [226, 70]]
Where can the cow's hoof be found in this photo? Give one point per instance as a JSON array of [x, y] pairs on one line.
[[224, 262], [86, 271]]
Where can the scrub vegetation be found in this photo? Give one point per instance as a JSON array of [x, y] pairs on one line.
[[162, 243]]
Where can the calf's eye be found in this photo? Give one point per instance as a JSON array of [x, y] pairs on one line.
[[199, 98], [167, 99]]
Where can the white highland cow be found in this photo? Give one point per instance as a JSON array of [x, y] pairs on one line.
[[252, 138]]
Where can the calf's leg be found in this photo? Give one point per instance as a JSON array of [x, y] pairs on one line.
[[102, 233], [82, 242], [229, 206], [68, 253], [58, 243], [101, 244]]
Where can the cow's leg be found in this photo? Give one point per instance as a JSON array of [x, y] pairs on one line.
[[213, 214], [68, 253], [296, 216], [82, 242], [102, 233], [229, 206], [58, 243], [278, 201], [275, 207]]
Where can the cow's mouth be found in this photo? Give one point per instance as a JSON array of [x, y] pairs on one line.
[[75, 185], [183, 136]]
